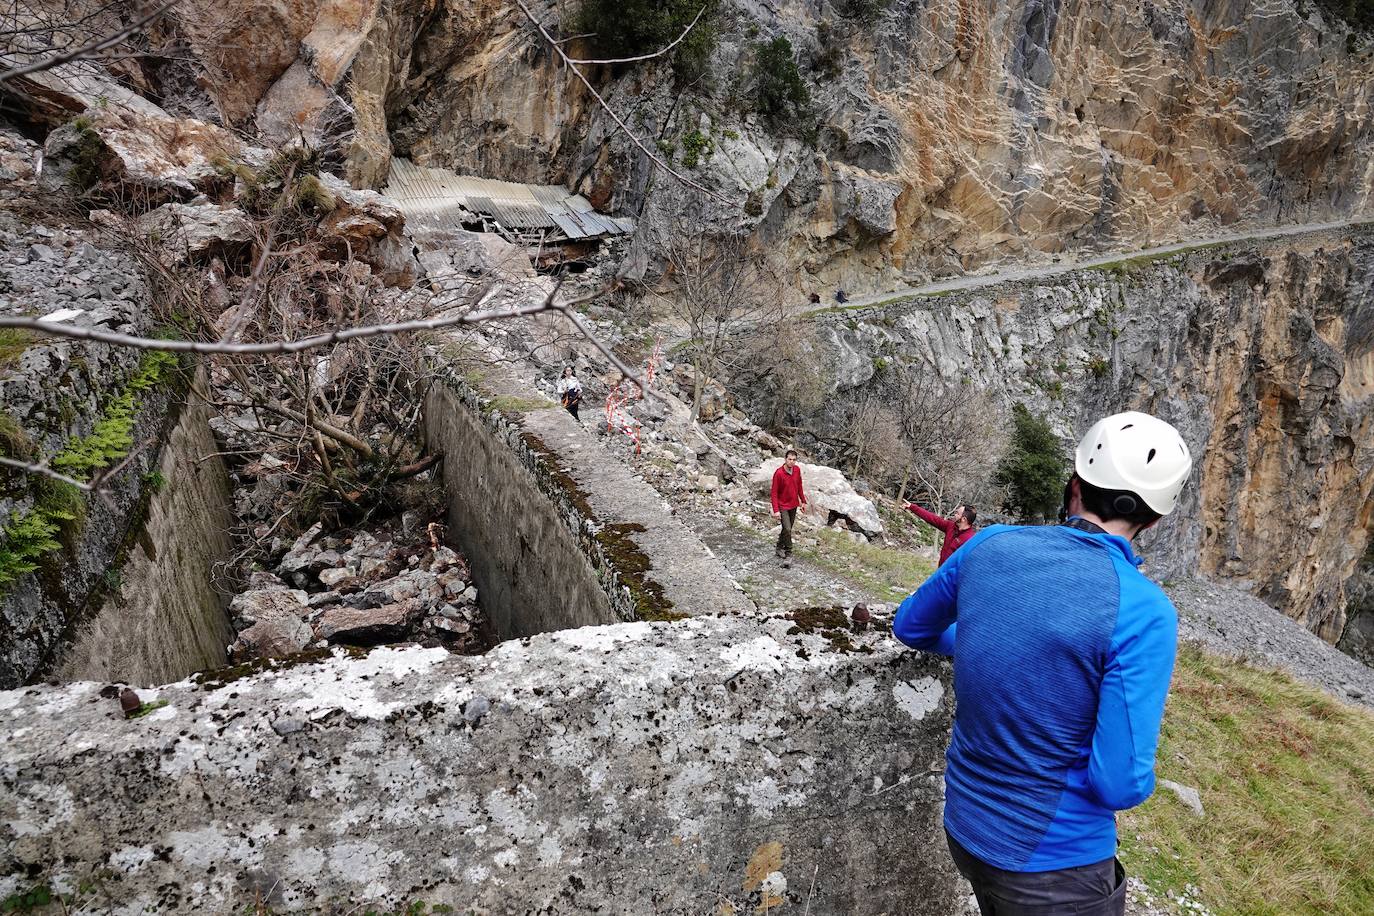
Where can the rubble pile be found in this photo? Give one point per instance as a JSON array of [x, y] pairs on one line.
[[364, 589]]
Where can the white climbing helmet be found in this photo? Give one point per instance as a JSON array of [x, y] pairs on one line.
[[1139, 453]]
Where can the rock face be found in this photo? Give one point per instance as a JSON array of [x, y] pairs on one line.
[[1261, 353], [54, 393], [946, 133], [828, 493], [630, 768]]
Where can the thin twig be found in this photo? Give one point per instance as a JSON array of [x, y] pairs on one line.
[[625, 128], [45, 471], [94, 47], [629, 60]]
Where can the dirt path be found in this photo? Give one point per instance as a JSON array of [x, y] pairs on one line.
[[749, 557], [1004, 274]]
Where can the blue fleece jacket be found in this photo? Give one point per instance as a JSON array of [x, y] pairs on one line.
[[1063, 652]]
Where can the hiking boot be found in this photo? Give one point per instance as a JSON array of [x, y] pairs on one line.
[[786, 562]]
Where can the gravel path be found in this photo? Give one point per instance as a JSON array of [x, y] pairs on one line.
[[995, 274], [749, 557], [1231, 622]]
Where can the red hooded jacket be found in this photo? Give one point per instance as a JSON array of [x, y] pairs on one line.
[[954, 538]]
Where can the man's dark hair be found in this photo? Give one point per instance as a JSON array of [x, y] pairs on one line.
[[1111, 505], [970, 514], [791, 453]]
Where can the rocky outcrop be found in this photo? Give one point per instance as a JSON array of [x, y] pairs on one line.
[[945, 134], [145, 158], [749, 763], [1261, 353]]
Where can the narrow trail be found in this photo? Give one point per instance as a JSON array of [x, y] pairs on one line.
[[1064, 264], [748, 555]]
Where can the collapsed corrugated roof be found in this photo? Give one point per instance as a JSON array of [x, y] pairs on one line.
[[437, 200]]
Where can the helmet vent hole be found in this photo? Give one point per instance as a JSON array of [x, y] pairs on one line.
[[1150, 457], [1090, 461], [1128, 426], [1099, 446]]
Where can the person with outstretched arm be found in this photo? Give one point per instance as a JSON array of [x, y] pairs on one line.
[[1062, 652], [958, 528], [787, 496]]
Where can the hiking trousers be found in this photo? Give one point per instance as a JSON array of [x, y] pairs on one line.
[[787, 517], [1098, 889]]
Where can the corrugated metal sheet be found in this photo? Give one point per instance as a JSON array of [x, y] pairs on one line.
[[438, 200]]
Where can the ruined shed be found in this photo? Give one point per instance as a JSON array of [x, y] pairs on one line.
[[548, 219]]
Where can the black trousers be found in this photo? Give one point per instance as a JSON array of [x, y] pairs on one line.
[[1088, 890], [787, 516]]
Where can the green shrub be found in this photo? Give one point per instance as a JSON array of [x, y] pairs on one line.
[[780, 94], [1034, 470], [696, 148], [626, 28], [1358, 14], [1099, 367], [861, 10]]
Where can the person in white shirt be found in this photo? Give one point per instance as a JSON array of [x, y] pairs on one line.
[[570, 391]]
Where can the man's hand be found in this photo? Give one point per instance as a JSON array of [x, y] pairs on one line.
[[775, 513]]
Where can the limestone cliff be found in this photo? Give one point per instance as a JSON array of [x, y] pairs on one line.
[[1261, 353], [946, 133]]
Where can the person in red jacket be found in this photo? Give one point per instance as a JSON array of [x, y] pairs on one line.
[[787, 496], [958, 528]]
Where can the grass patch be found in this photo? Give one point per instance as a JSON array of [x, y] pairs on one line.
[[13, 343], [1286, 776], [884, 572], [1125, 266], [508, 404], [146, 708]]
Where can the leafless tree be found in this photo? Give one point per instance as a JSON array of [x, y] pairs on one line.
[[954, 436], [723, 290]]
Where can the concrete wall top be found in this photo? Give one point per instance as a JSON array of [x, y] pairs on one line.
[[631, 523], [702, 765]]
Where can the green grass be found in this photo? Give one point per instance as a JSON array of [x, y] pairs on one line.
[[508, 403], [13, 343], [884, 572], [1286, 776]]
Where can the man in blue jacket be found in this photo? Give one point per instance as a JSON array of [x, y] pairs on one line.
[[1063, 652]]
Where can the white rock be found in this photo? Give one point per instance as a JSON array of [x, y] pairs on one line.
[[332, 577], [826, 490]]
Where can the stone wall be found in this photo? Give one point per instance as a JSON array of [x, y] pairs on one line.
[[530, 498], [1262, 353], [162, 618], [128, 596], [715, 764]]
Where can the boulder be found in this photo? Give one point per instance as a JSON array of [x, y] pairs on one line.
[[367, 226], [827, 491], [142, 157], [277, 625], [354, 626], [196, 232]]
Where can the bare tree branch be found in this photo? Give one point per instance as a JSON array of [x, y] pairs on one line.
[[88, 50], [625, 128], [630, 60]]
